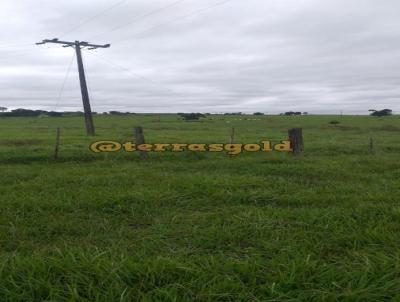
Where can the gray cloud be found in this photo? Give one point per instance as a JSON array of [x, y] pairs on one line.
[[255, 55]]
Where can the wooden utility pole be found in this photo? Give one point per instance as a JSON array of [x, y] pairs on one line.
[[84, 91], [78, 45]]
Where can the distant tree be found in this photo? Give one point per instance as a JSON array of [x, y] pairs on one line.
[[234, 113], [291, 113], [2, 109], [73, 113], [54, 114], [258, 113], [334, 123], [20, 112], [305, 113], [384, 112], [191, 116], [119, 113]]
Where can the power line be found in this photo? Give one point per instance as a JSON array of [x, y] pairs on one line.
[[137, 75], [11, 53], [2, 46], [141, 17], [139, 34], [94, 17], [93, 98], [154, 83], [64, 82]]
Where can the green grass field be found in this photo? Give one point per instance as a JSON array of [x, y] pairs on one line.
[[323, 226]]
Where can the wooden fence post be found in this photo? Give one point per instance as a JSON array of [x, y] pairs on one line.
[[232, 135], [371, 144], [139, 136], [296, 140], [57, 145]]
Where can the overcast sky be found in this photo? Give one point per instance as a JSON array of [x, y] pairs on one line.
[[320, 56]]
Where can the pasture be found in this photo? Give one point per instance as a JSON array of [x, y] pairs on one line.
[[323, 226]]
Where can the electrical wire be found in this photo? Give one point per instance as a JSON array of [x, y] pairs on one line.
[[93, 17], [151, 13], [154, 83], [5, 54], [166, 89], [5, 46], [89, 87], [64, 83], [141, 33]]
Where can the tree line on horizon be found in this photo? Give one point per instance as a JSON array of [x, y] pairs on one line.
[[21, 112]]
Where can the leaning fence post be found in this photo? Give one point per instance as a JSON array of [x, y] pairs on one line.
[[57, 145], [139, 136], [296, 140]]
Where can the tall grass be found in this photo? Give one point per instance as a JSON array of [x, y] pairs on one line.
[[184, 227]]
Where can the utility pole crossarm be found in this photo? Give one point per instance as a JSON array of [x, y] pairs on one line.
[[93, 46], [78, 45]]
